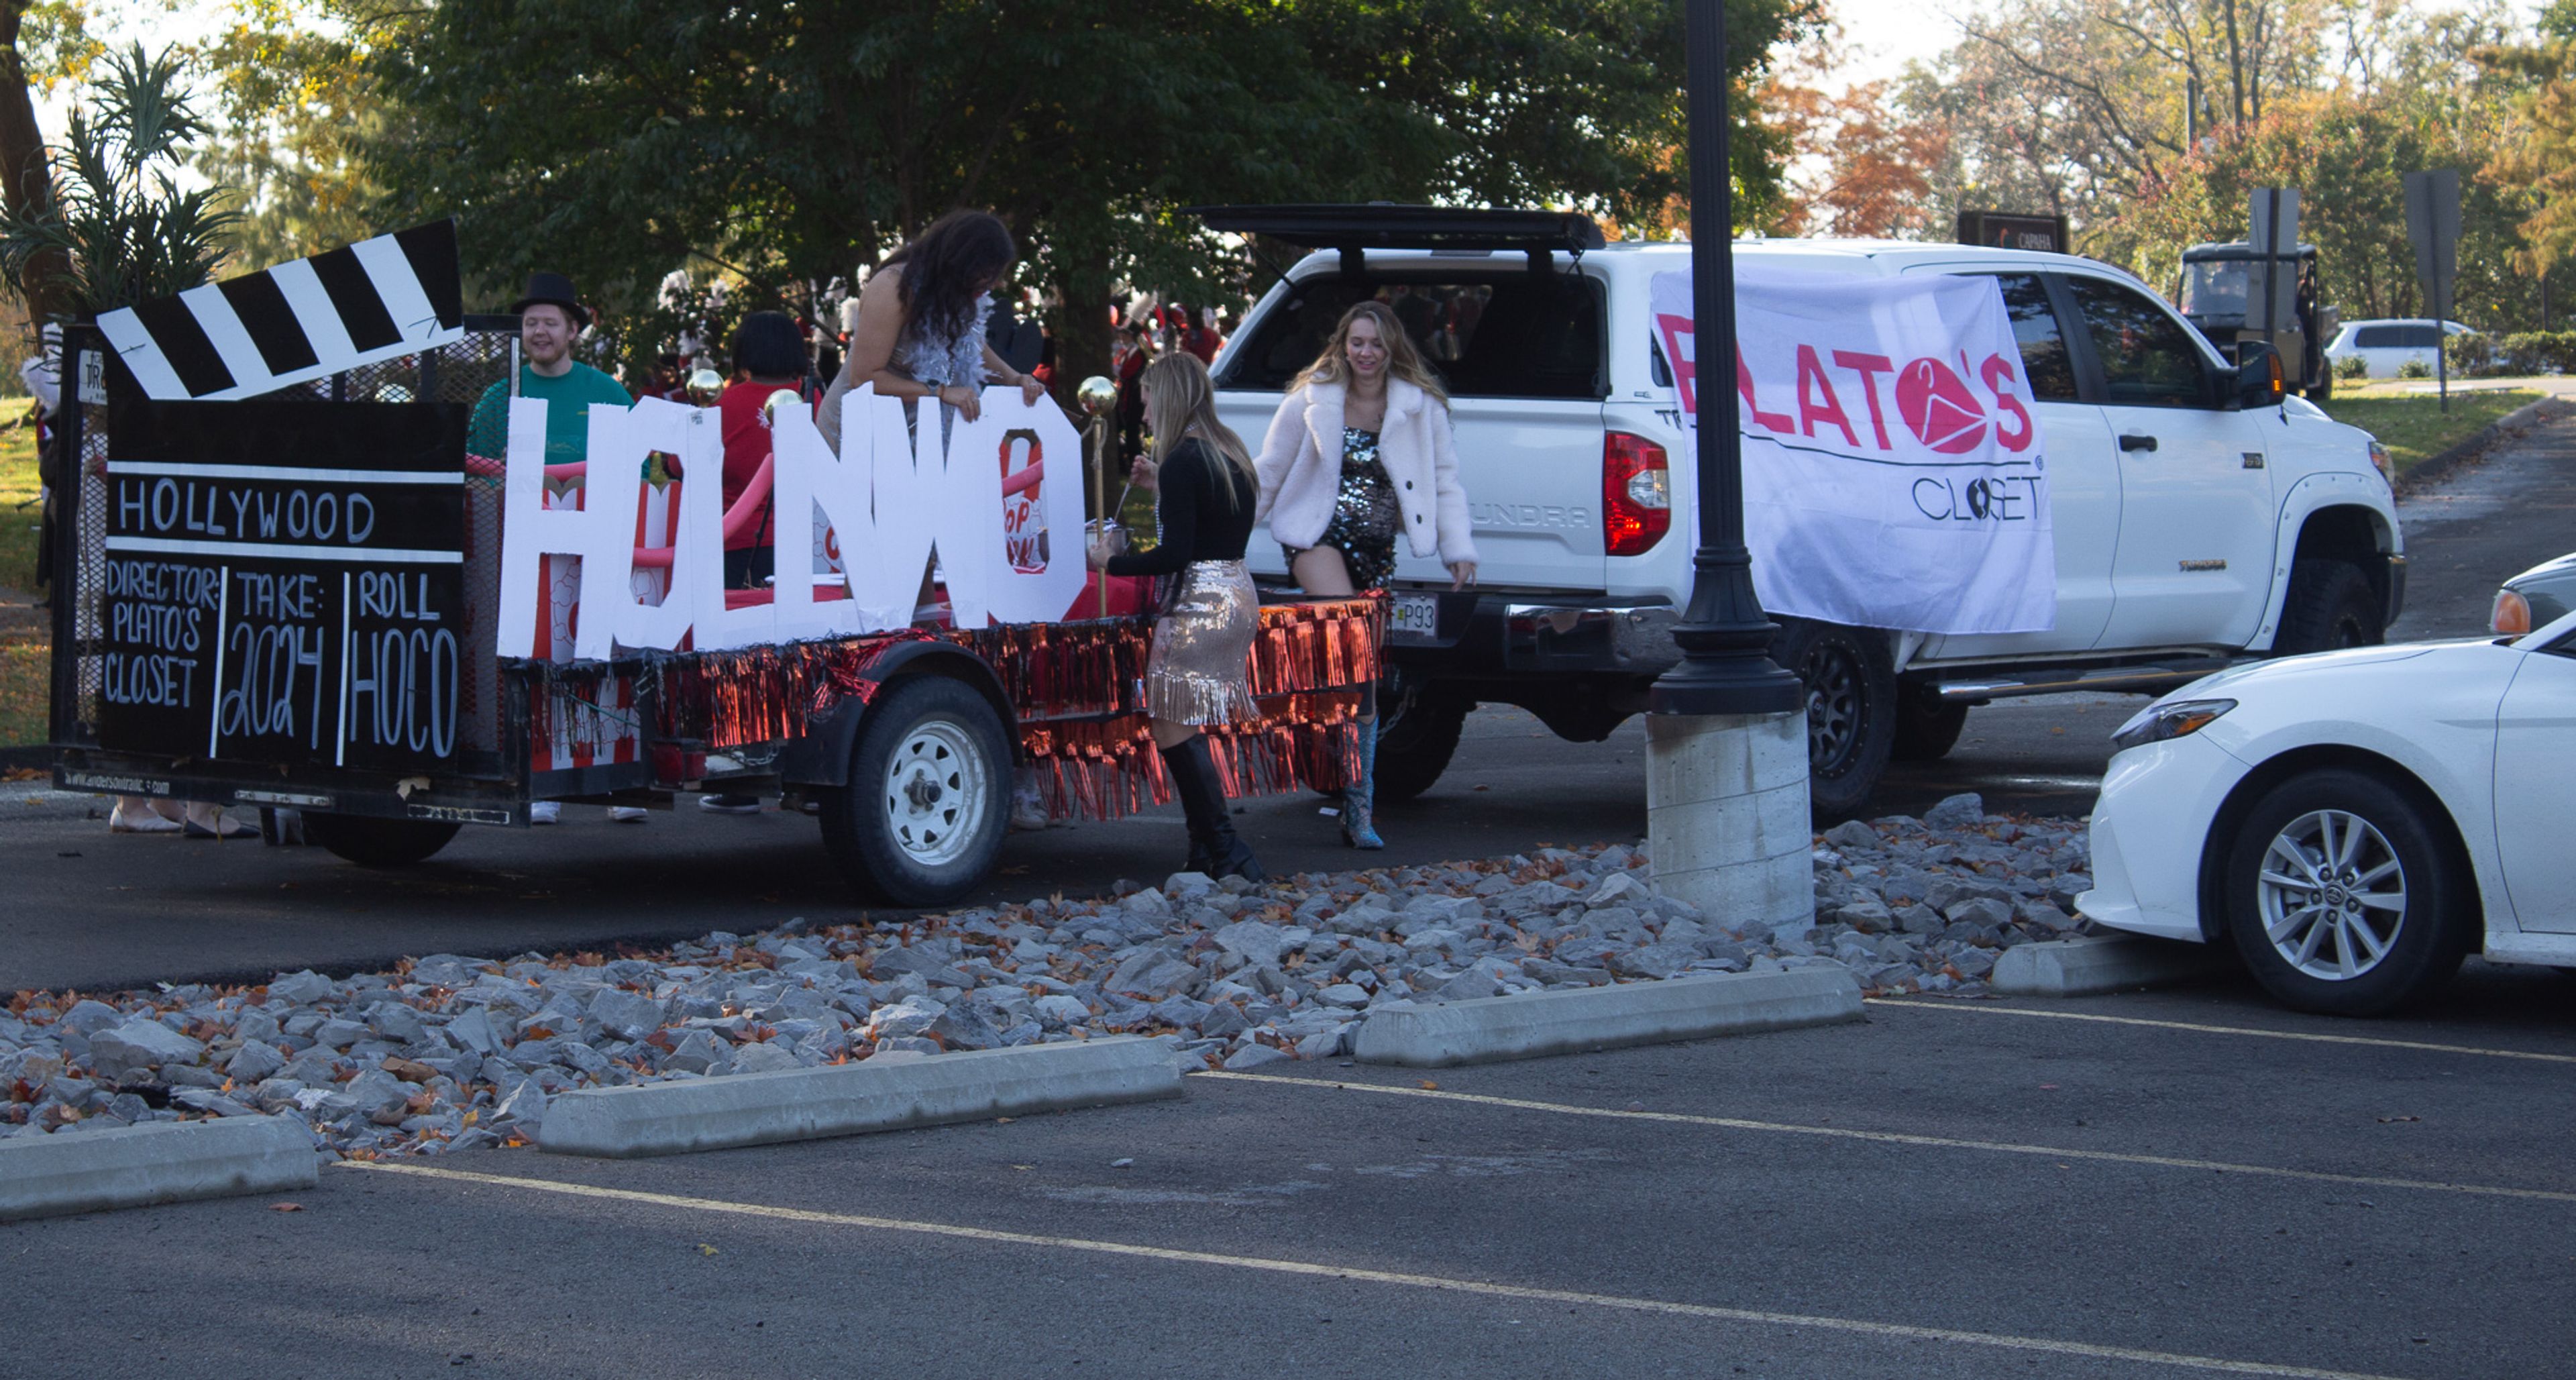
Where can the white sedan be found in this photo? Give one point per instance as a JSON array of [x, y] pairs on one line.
[[2354, 822]]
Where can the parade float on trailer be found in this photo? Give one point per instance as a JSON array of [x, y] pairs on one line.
[[287, 584]]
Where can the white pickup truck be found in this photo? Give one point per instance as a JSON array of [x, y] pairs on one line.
[[2196, 521]]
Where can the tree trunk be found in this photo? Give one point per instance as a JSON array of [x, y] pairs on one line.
[[26, 179], [1081, 328], [2235, 71]]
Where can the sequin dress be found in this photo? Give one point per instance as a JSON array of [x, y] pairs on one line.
[[1366, 515]]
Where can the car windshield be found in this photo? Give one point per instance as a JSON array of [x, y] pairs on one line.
[[2216, 288]]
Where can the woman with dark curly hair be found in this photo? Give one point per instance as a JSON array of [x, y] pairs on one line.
[[921, 322], [920, 334]]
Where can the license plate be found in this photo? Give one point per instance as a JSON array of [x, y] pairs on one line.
[[1415, 613]]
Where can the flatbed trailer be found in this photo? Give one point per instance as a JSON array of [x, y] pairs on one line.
[[358, 683]]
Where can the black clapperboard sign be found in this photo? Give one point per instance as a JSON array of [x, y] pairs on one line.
[[285, 582], [375, 300]]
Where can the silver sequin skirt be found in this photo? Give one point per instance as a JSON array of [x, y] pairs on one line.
[[1203, 648]]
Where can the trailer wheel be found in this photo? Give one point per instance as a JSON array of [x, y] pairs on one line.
[[928, 798], [372, 842]]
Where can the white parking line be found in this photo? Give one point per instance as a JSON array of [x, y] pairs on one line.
[[2056, 1152], [1989, 1009], [1857, 1326]]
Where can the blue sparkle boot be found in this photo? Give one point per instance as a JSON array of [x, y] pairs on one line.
[[1359, 801]]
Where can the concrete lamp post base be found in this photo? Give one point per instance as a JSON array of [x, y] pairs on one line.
[[1726, 815]]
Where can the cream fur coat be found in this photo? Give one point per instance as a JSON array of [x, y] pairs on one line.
[[1300, 469]]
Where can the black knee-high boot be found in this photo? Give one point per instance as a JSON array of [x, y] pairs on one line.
[[1215, 849]]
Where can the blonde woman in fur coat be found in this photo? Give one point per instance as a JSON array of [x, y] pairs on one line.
[[1359, 453]]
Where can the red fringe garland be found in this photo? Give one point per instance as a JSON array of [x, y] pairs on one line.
[[1079, 689]]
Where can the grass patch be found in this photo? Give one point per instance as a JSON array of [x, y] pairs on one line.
[[19, 514], [2415, 428], [25, 671]]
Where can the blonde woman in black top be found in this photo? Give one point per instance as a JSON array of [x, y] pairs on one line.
[[1196, 675]]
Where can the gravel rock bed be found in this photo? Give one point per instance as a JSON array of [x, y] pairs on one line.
[[447, 1052]]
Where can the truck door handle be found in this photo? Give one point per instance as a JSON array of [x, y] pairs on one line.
[[2137, 443]]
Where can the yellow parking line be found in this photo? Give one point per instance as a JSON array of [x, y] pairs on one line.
[[2056, 1152], [1856, 1326], [1990, 1009]]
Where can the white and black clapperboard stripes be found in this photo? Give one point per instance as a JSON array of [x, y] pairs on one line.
[[377, 299]]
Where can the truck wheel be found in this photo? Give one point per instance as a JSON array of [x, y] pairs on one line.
[[929, 794], [372, 842], [2323, 388], [1927, 727], [1416, 745], [1851, 709], [2330, 606]]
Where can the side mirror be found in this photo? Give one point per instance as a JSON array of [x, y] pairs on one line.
[[2258, 375]]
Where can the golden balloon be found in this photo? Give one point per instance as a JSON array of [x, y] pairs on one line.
[[1097, 395], [784, 397], [705, 387]]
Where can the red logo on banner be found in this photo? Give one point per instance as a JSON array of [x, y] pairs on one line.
[[1938, 408]]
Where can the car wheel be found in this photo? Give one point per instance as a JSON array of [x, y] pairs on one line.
[[1850, 677], [1927, 727], [928, 798], [2344, 894], [2330, 606], [372, 842]]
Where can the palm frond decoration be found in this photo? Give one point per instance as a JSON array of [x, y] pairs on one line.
[[120, 223]]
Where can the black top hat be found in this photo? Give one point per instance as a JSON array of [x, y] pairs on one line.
[[555, 288]]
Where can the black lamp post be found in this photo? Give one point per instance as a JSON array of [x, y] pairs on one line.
[[1725, 638]]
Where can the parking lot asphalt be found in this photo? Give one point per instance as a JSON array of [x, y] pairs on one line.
[[2187, 1182]]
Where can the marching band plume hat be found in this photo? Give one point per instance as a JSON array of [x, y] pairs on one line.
[[554, 288]]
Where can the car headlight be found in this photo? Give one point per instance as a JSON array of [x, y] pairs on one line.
[[2158, 722], [2379, 460]]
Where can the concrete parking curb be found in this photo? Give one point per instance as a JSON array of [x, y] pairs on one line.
[[160, 1162], [2104, 963], [1528, 1025], [886, 1093], [2434, 467]]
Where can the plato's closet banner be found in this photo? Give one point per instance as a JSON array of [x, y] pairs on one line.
[[1893, 475]]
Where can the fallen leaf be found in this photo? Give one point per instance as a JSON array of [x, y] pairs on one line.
[[286, 1207], [2386, 1120], [1004, 1120], [705, 1249], [1430, 1086], [1024, 1166]]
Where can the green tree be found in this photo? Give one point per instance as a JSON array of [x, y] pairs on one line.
[[120, 224], [299, 109], [781, 145]]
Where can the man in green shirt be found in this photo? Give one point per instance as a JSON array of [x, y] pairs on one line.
[[551, 318]]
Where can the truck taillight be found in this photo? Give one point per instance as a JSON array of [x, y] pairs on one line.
[[1636, 494]]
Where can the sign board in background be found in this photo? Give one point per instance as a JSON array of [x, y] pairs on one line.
[[2433, 223], [2273, 296], [2009, 230], [284, 582]]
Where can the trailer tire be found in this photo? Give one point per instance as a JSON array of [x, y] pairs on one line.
[[372, 842], [929, 794]]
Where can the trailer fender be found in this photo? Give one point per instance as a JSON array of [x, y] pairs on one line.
[[821, 756]]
